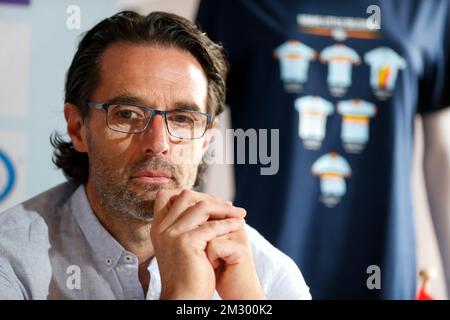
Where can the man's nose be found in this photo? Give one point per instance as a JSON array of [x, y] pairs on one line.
[[156, 137]]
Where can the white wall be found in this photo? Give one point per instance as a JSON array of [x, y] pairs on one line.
[[427, 250], [36, 48]]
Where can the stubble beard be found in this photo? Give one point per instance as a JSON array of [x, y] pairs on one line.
[[115, 191]]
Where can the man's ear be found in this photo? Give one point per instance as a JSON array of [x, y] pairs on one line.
[[209, 134], [75, 127]]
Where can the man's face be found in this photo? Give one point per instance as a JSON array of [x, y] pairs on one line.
[[126, 170]]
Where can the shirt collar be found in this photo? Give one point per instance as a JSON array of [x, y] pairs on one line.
[[107, 251]]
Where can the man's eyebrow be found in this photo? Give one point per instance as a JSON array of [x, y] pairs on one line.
[[134, 100], [186, 106], [127, 99]]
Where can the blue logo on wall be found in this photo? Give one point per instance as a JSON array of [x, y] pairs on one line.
[[8, 168]]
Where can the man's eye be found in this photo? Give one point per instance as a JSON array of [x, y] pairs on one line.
[[181, 119], [128, 114]]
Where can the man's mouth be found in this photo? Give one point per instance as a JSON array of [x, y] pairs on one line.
[[151, 177]]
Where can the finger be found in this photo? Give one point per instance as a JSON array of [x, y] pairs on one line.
[[212, 252], [203, 211], [214, 229], [224, 249], [163, 201], [182, 202]]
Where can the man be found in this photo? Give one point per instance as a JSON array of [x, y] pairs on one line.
[[343, 81], [141, 96]]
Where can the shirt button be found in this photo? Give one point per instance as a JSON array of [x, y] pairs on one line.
[[128, 258], [109, 261]]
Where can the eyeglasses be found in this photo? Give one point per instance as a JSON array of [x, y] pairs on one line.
[[181, 124]]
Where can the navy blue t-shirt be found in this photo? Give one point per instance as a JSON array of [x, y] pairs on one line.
[[343, 94]]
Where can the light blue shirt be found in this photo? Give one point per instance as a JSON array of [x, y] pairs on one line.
[[335, 165], [385, 64], [356, 131], [313, 112], [340, 59], [54, 247], [294, 61]]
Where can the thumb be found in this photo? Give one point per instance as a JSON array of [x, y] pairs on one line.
[[163, 200]]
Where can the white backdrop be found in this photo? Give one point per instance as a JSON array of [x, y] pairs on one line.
[[36, 50]]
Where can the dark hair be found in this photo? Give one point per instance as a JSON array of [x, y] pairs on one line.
[[157, 28]]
